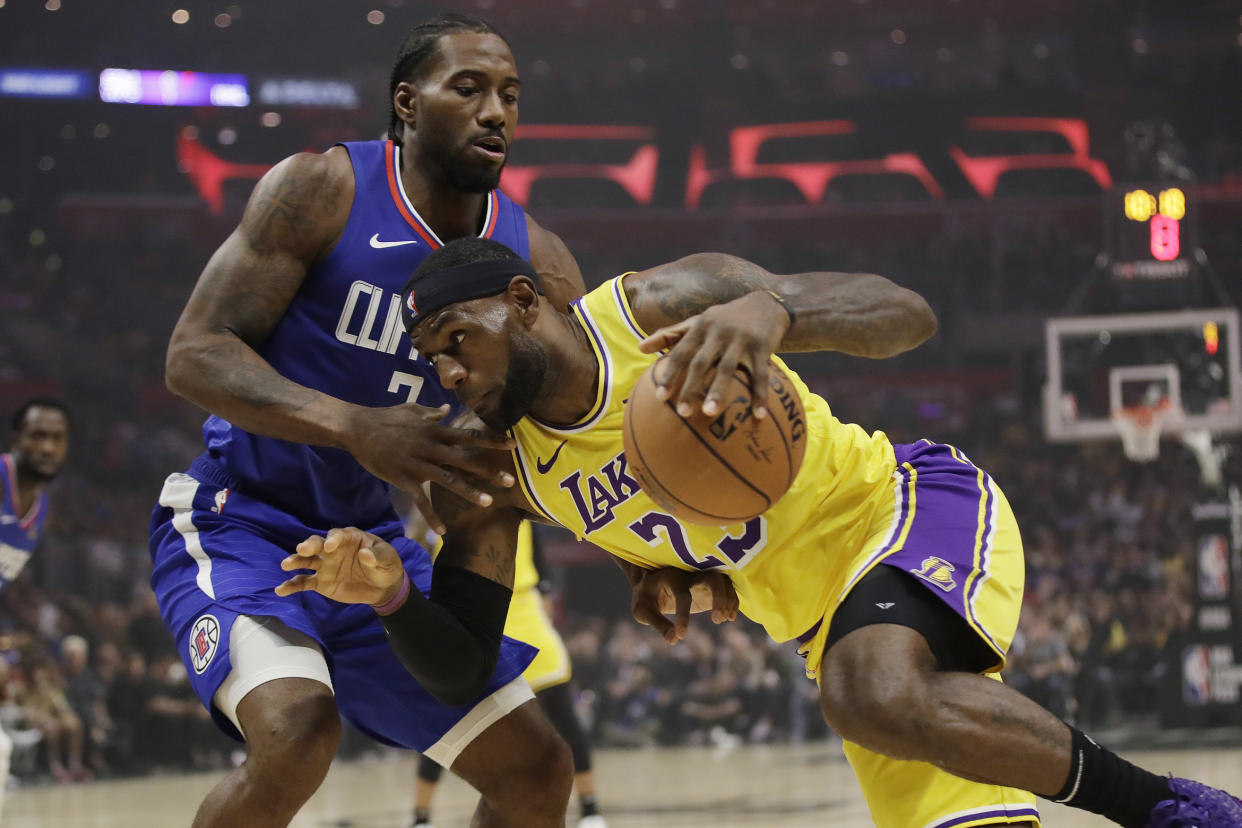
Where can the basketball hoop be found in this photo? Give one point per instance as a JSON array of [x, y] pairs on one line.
[[1139, 427]]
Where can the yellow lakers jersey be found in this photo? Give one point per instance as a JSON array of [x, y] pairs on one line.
[[525, 575], [788, 565]]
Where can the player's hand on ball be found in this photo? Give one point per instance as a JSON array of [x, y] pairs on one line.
[[661, 592], [707, 348], [349, 565]]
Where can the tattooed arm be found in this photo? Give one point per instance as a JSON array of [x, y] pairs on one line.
[[295, 215], [717, 312]]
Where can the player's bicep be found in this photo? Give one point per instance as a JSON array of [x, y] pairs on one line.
[[295, 213], [558, 271]]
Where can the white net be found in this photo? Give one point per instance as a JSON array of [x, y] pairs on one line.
[[1139, 427]]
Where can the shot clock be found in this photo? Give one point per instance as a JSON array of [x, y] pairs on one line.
[[1151, 232]]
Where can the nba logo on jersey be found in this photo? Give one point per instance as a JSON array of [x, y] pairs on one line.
[[937, 571], [222, 496], [204, 640]]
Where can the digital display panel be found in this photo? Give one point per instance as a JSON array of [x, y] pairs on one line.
[[336, 94], [45, 83], [168, 88], [1153, 232]]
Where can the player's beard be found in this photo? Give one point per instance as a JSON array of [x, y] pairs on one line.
[[461, 175], [27, 470], [528, 369]]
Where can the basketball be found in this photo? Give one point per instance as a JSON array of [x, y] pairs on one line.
[[716, 470]]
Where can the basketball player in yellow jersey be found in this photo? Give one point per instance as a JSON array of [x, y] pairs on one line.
[[898, 569], [548, 676]]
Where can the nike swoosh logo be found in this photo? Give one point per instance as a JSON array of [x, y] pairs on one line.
[[543, 467], [380, 245], [8, 518]]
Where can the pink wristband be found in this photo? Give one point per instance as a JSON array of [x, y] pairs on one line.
[[397, 600]]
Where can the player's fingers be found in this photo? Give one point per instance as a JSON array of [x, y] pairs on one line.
[[698, 372], [298, 562], [482, 467], [459, 486], [423, 504], [724, 599], [725, 369], [682, 618], [670, 372], [342, 539], [760, 374], [434, 415], [311, 547], [647, 613], [667, 375], [379, 556], [664, 338], [298, 583], [478, 438]]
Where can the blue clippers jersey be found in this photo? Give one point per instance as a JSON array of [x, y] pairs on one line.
[[18, 533], [342, 335]]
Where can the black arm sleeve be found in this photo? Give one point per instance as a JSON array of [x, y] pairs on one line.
[[451, 641]]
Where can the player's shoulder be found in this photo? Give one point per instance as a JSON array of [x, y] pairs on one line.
[[302, 204], [330, 170], [556, 266]]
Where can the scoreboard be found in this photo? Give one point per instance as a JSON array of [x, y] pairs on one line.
[[1151, 232]]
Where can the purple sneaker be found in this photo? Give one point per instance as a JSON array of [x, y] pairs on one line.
[[1196, 805]]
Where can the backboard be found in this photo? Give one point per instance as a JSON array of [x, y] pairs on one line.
[[1100, 364]]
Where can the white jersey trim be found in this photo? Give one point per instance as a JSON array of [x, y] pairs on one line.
[[409, 205], [178, 495], [482, 716]]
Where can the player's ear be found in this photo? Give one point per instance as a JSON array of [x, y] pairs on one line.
[[403, 102], [525, 298]]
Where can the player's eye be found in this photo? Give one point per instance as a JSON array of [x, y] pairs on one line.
[[465, 91], [509, 98], [458, 336]]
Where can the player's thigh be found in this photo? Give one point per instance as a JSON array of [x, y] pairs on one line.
[[519, 749], [886, 638], [901, 794], [278, 688]]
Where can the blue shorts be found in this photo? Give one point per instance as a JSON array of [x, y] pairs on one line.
[[216, 555]]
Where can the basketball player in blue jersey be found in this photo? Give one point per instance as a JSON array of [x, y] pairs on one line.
[[897, 568], [293, 341], [40, 444]]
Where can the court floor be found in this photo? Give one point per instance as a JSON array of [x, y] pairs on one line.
[[781, 787]]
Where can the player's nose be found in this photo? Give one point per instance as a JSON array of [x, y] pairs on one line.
[[491, 111], [452, 373]]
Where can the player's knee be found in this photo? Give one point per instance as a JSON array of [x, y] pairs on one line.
[[303, 732], [555, 770], [543, 777]]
